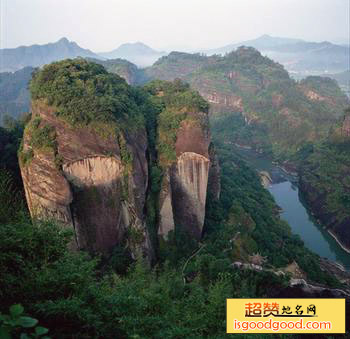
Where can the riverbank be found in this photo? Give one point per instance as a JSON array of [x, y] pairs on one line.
[[321, 196], [285, 190], [346, 249]]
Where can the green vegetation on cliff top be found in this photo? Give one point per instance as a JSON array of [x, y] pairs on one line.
[[84, 92], [175, 102]]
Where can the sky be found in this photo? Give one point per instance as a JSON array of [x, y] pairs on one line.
[[102, 25]]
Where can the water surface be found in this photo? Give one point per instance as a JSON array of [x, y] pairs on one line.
[[286, 193]]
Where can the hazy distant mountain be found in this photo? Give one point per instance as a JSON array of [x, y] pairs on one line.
[[137, 53], [14, 94], [297, 55], [323, 57], [343, 80], [12, 59], [264, 42]]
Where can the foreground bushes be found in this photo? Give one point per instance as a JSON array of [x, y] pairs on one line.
[[68, 293], [76, 296]]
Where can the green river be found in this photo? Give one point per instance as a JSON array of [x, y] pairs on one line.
[[286, 193]]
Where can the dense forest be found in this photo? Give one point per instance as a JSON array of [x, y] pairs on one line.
[[245, 249], [78, 294], [281, 115], [75, 295]]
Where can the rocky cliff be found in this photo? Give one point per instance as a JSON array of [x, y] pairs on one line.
[[185, 157], [183, 194], [92, 176], [85, 156]]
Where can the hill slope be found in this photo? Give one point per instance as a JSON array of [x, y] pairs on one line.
[[324, 181], [280, 114], [123, 68], [343, 79]]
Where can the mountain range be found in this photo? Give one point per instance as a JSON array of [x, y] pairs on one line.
[[281, 114], [299, 57], [137, 53], [264, 42], [296, 55], [13, 59]]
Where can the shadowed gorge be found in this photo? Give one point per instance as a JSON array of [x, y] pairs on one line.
[[324, 180]]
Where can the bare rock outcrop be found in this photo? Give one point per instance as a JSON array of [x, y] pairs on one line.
[[185, 183], [88, 150], [84, 183]]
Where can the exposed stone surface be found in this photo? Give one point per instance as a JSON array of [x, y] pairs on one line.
[[220, 101], [314, 96], [96, 184], [85, 158], [296, 272], [47, 191], [185, 184], [183, 195], [91, 190], [189, 189], [166, 216], [299, 288], [265, 178]]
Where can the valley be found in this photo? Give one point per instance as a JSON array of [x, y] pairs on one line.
[[284, 188], [136, 198]]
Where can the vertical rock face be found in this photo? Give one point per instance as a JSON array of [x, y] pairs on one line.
[[166, 215], [90, 191], [183, 195], [185, 181], [96, 185], [47, 191], [80, 163], [189, 191], [86, 153]]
